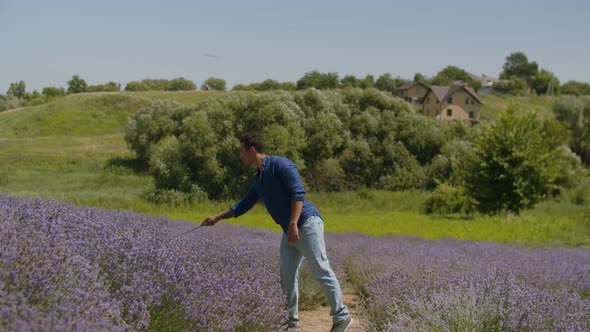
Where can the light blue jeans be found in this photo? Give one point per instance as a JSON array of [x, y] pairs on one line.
[[310, 245]]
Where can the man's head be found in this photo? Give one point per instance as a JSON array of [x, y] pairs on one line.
[[250, 146]]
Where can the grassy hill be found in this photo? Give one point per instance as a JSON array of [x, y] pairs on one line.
[[73, 149], [494, 105]]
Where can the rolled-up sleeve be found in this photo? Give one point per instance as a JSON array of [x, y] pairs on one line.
[[246, 203], [290, 178]]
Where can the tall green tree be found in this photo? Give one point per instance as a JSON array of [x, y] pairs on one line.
[[450, 74], [315, 79], [17, 89], [517, 65], [214, 84], [77, 84], [540, 82], [574, 112], [517, 162]]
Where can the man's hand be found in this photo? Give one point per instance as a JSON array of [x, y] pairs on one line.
[[210, 221], [292, 233]]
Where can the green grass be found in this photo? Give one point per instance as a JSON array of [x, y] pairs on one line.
[[87, 114], [494, 105], [73, 150]]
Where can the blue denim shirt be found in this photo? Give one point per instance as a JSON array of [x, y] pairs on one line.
[[278, 186]]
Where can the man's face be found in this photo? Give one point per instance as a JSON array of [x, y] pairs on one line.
[[248, 155]]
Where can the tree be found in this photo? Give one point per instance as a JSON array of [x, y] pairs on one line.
[[349, 81], [112, 87], [77, 85], [17, 89], [420, 78], [575, 88], [214, 84], [518, 65], [385, 83], [540, 82], [515, 86], [268, 84], [135, 86], [51, 91], [574, 112], [315, 79], [367, 82], [449, 74], [182, 84], [516, 163]]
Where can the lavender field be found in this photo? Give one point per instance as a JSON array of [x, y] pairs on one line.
[[64, 268]]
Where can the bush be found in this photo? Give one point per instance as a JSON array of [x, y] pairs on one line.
[[448, 199], [151, 123], [328, 176], [172, 197], [339, 139], [53, 92], [517, 162]]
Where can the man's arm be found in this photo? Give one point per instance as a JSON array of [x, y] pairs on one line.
[[292, 181], [293, 231], [236, 210], [212, 220]]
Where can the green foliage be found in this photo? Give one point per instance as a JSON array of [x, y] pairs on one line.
[[268, 84], [168, 163], [152, 123], [387, 83], [349, 81], [517, 65], [108, 87], [181, 84], [452, 75], [315, 79], [399, 169], [517, 163], [177, 84], [17, 89], [447, 199], [448, 166], [418, 77], [136, 86], [540, 82], [575, 114], [575, 88], [339, 139], [214, 84], [515, 86], [77, 85], [52, 92], [9, 102]]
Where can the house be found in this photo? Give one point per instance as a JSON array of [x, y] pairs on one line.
[[412, 92], [458, 102]]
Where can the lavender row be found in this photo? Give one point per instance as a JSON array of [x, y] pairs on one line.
[[409, 284], [68, 268]]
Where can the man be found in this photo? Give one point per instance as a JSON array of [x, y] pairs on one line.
[[277, 182]]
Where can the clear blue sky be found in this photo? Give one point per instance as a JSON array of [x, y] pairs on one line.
[[45, 42]]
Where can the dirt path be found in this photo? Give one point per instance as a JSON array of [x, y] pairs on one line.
[[319, 320], [13, 110]]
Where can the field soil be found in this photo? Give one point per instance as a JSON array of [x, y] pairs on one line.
[[319, 320]]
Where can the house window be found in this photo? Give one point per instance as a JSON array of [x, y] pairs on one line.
[[449, 112], [472, 102], [450, 100], [471, 114], [466, 101]]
